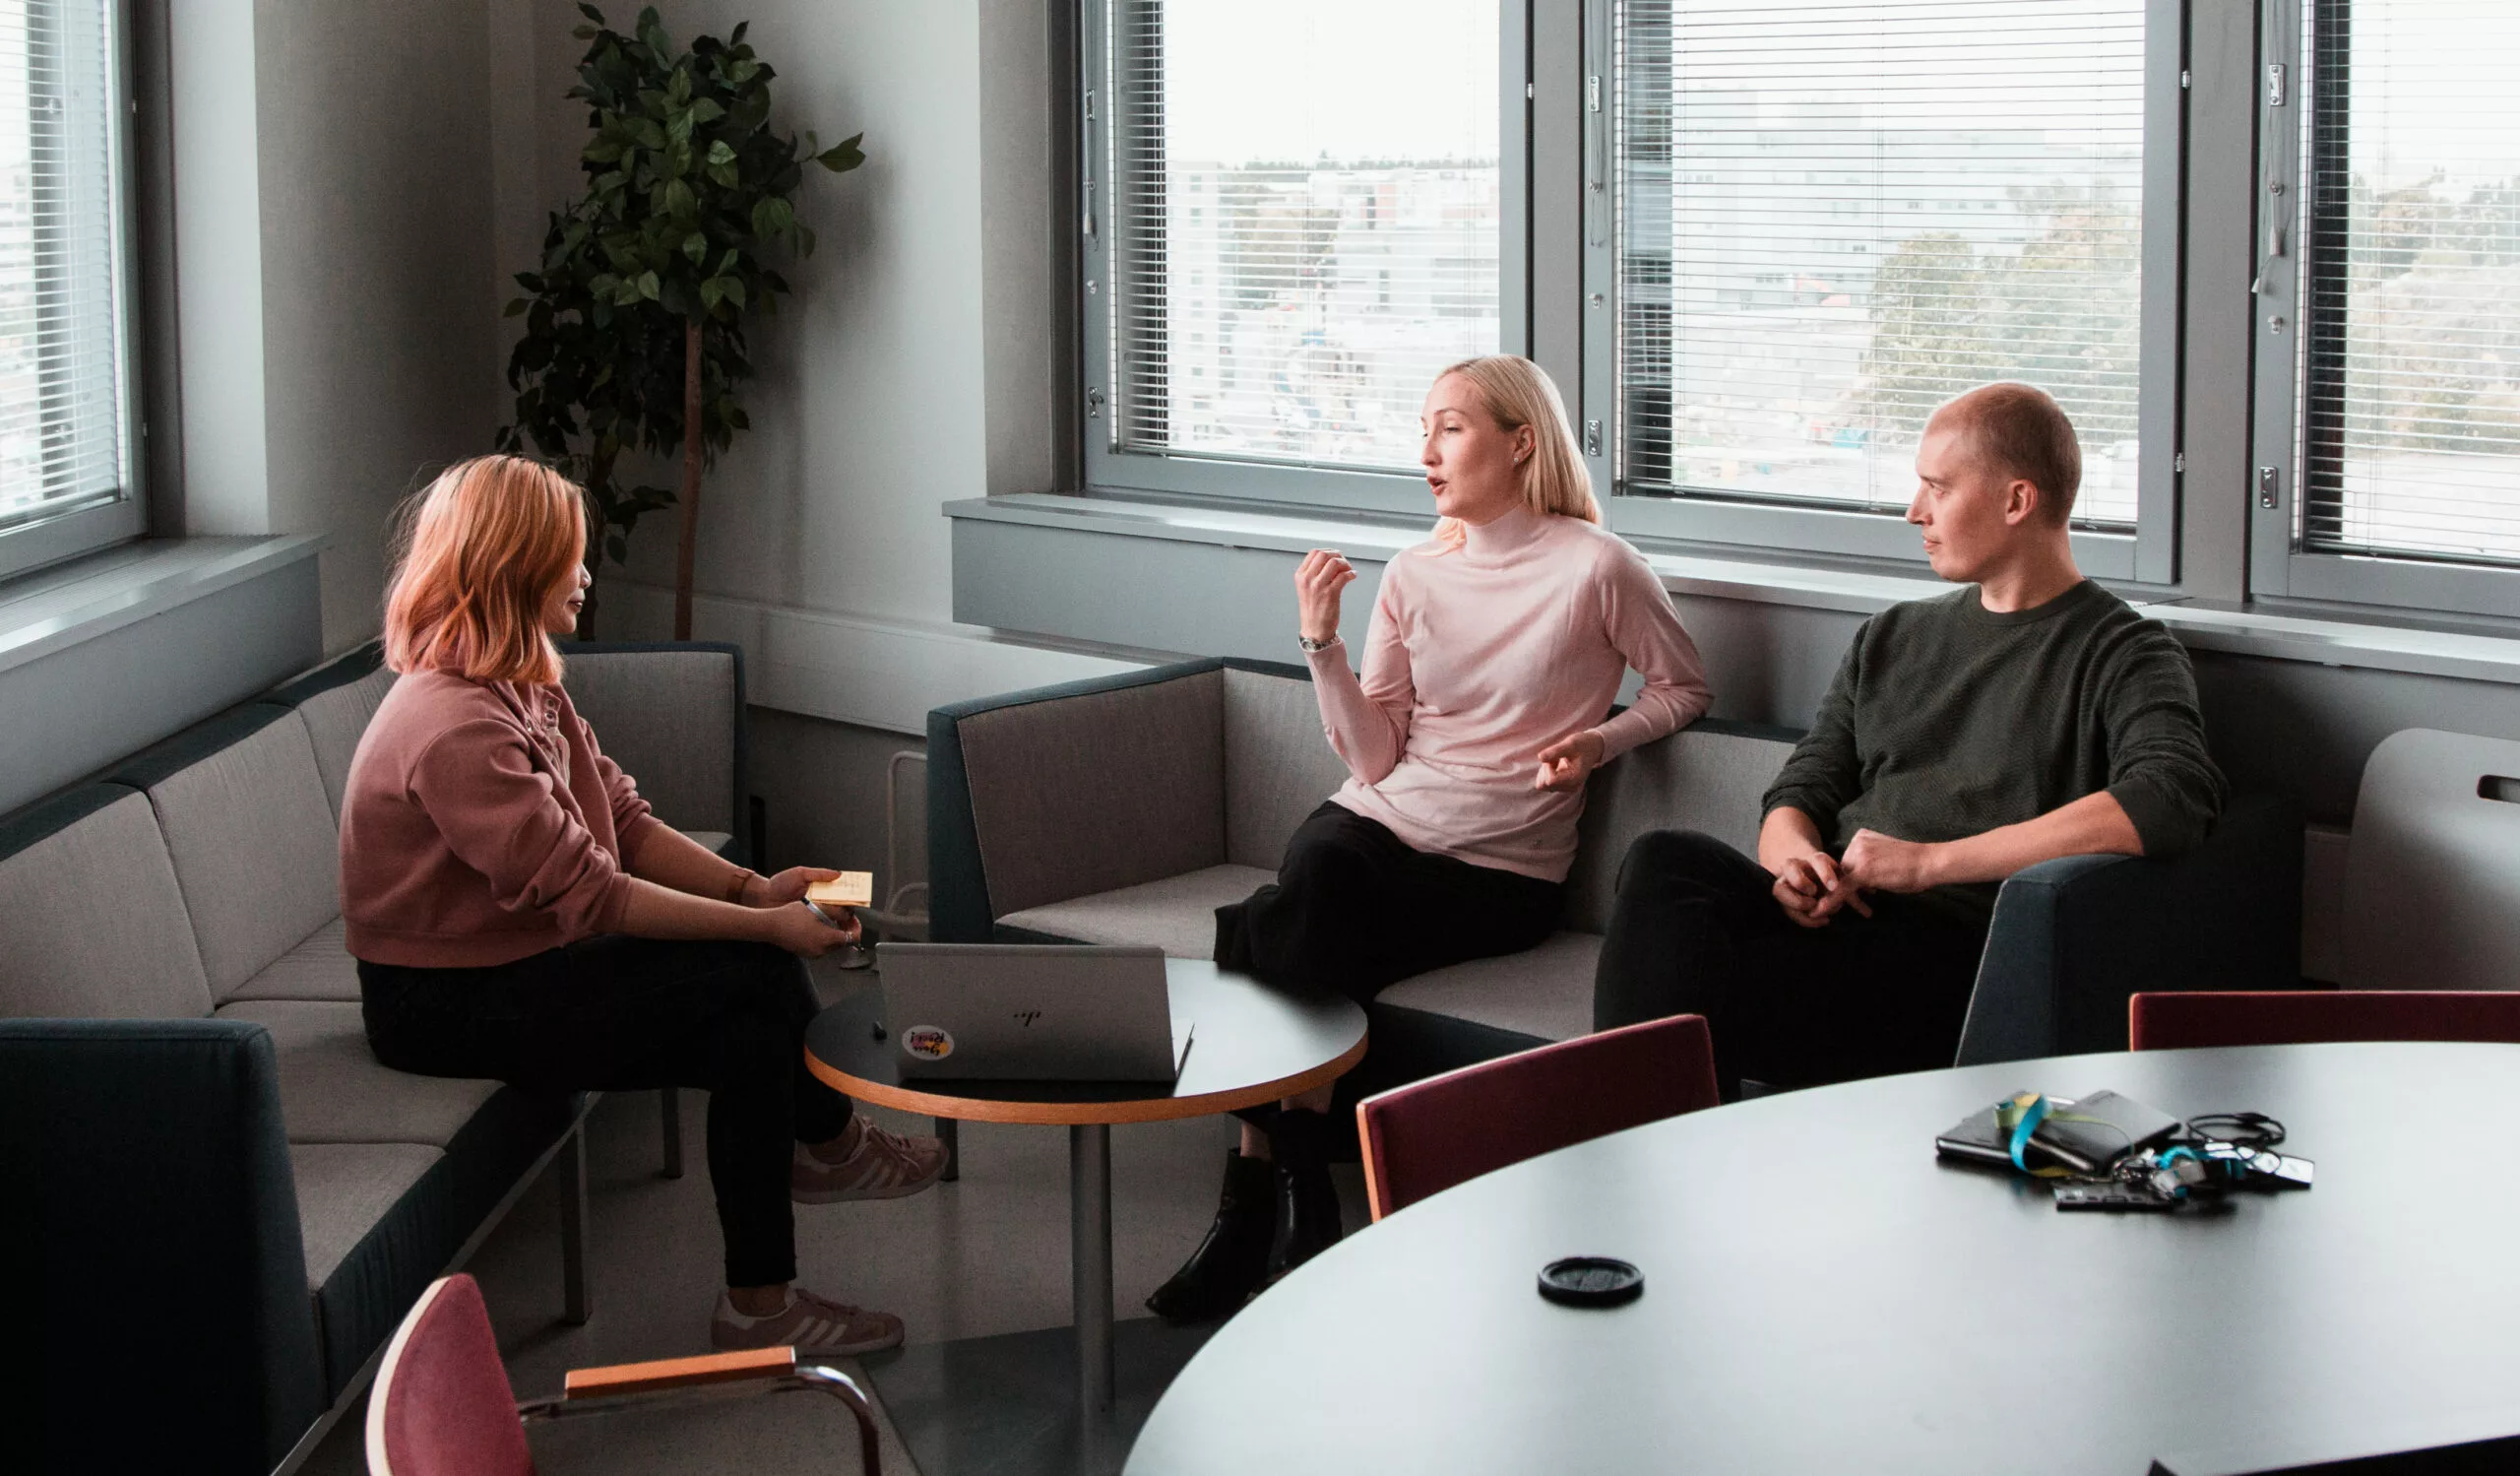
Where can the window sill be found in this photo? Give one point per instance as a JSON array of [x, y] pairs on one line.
[[54, 609], [2320, 640]]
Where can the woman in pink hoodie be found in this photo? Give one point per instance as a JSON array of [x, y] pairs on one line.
[[1495, 654], [519, 915]]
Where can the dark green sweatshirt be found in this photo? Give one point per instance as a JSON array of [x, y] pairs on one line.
[[1948, 719]]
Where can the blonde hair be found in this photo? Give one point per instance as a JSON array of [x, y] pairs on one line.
[[482, 550], [1515, 393]]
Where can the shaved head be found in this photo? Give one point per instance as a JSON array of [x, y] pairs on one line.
[[2018, 431]]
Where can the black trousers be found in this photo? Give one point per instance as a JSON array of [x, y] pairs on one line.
[[621, 1014], [1697, 931], [1357, 911]]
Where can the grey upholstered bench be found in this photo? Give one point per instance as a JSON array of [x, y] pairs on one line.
[[185, 1084], [1126, 810]]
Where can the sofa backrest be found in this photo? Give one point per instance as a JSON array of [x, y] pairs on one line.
[[334, 702], [93, 924], [1277, 765], [1707, 776], [662, 715], [251, 833], [1100, 789], [1279, 768]]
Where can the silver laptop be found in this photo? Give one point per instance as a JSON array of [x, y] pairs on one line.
[[1031, 1012]]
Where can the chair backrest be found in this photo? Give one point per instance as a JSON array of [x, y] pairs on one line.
[[1425, 1137], [2163, 1022], [441, 1405], [2432, 873]]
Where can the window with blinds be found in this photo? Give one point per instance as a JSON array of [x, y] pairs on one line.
[[1305, 223], [2409, 370], [62, 287], [1835, 215]]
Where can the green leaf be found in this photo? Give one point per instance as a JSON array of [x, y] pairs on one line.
[[710, 294], [730, 287], [843, 156], [706, 111], [679, 201], [514, 307], [718, 153], [696, 246]]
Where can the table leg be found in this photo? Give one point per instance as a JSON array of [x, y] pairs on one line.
[[1089, 1191]]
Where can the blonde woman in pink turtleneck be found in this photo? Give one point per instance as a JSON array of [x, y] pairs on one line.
[[1495, 654]]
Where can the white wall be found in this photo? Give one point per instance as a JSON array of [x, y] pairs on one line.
[[337, 333], [871, 406]]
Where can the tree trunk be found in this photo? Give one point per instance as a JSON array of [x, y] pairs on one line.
[[690, 479]]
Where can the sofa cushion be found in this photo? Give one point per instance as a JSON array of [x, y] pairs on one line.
[[1099, 791], [335, 720], [91, 920], [253, 838], [1278, 763], [319, 968], [333, 1089], [668, 718], [345, 1188], [1545, 992], [1176, 914]]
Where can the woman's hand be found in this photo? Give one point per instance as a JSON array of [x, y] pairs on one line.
[[786, 887], [1318, 581], [796, 929], [1565, 764]]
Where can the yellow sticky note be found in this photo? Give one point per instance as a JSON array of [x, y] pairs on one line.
[[848, 889]]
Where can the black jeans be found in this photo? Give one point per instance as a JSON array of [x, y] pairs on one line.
[[1697, 931], [1356, 910], [621, 1014]]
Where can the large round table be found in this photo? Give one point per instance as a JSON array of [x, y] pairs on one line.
[[1250, 1045], [1822, 1295]]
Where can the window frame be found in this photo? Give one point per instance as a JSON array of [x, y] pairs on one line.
[[58, 537], [1213, 478], [2147, 555], [2280, 568]]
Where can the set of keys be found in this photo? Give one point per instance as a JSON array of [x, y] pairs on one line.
[[2158, 1179]]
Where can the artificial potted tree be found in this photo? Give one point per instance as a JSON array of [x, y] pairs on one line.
[[634, 333]]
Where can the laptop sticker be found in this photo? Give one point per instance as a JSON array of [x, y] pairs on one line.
[[927, 1042]]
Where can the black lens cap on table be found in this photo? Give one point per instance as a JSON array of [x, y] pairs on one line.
[[1590, 1281]]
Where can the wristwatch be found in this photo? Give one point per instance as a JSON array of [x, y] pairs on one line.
[[1310, 645]]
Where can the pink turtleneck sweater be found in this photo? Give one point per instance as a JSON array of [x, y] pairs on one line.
[[1479, 656]]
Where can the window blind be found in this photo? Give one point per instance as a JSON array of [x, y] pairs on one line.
[[1833, 215], [62, 307], [2410, 224], [1305, 223]]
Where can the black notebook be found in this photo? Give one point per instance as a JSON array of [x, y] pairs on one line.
[[2082, 1134]]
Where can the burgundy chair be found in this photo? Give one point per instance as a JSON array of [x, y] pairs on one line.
[[1431, 1134], [2158, 1022], [441, 1404]]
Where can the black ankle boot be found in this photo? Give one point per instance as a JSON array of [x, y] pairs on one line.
[[1308, 1218], [1223, 1272]]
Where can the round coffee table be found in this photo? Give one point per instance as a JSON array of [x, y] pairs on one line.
[[1251, 1044], [1822, 1295]]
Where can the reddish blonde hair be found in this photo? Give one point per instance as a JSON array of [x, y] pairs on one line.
[[482, 549]]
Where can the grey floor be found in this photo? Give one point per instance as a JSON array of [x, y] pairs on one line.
[[987, 1255]]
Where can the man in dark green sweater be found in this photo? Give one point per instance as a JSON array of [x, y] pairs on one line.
[[2030, 716]]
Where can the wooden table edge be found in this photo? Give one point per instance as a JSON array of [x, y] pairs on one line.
[[1080, 1113]]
